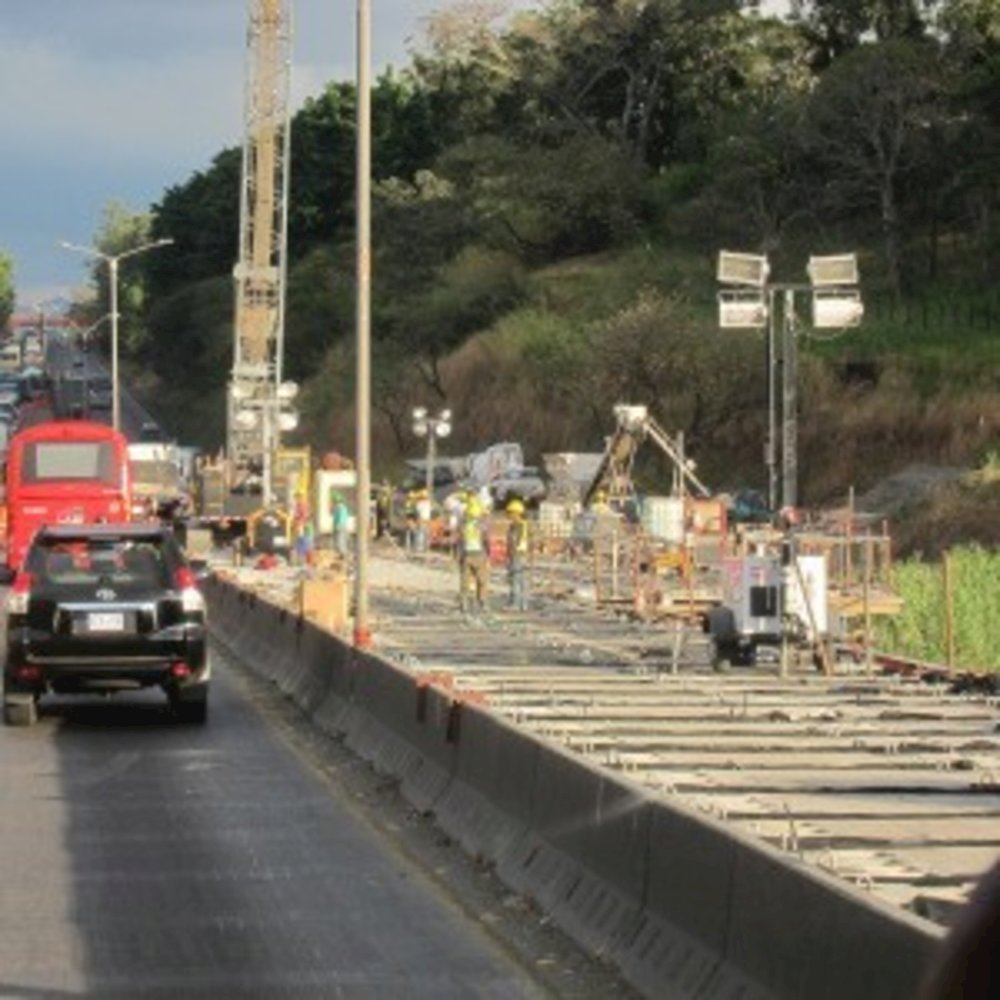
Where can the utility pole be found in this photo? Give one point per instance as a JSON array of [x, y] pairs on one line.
[[362, 634]]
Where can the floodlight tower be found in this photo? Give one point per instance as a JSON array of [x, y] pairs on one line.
[[424, 425], [750, 302]]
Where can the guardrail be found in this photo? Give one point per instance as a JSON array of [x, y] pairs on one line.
[[685, 906]]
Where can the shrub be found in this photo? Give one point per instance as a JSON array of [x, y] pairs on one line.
[[920, 630]]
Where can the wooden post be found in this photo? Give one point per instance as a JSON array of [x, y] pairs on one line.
[[848, 569], [949, 610], [866, 592], [595, 549]]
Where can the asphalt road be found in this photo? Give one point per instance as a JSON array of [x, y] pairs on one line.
[[144, 858]]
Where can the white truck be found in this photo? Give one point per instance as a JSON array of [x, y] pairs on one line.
[[157, 489]]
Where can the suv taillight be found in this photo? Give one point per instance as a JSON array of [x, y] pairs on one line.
[[20, 593], [187, 584]]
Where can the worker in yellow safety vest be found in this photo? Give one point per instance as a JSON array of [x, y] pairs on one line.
[[473, 562], [518, 548]]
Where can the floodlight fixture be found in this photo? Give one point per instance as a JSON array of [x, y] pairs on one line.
[[834, 271], [246, 419], [742, 309], [238, 391], [288, 391], [747, 269], [419, 412], [288, 420], [837, 309]]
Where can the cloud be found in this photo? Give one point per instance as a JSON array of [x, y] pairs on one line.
[[121, 99], [127, 109]]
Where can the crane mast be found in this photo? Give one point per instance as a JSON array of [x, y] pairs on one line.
[[252, 430]]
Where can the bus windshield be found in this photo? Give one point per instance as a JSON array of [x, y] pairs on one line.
[[79, 461]]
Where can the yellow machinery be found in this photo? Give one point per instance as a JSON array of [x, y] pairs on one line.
[[291, 474]]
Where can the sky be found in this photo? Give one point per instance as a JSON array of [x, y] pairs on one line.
[[118, 100], [105, 100]]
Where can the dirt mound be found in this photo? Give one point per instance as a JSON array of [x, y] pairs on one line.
[[912, 487]]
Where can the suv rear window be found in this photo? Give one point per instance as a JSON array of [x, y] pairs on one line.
[[124, 563]]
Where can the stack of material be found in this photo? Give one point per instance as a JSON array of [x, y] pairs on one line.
[[325, 600]]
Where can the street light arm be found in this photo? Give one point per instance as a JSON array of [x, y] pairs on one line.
[[112, 262], [113, 257], [89, 251], [166, 241]]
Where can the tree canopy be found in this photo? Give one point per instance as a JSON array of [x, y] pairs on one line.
[[8, 294], [513, 142]]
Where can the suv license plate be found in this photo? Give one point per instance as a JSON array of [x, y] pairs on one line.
[[106, 621]]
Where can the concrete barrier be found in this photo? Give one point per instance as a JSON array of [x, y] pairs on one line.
[[685, 906], [798, 930]]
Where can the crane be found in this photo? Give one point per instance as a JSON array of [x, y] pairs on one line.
[[254, 399]]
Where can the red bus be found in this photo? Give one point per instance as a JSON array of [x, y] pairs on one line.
[[64, 472]]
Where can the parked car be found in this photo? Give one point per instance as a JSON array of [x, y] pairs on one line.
[[524, 484], [151, 433], [12, 388], [105, 607], [99, 393]]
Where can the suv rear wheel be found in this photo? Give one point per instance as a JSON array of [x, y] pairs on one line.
[[192, 706]]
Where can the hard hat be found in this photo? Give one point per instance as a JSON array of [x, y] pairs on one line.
[[515, 507], [600, 496], [473, 508]]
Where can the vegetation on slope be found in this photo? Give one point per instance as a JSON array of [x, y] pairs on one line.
[[551, 192]]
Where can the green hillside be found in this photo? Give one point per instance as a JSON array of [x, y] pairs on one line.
[[551, 194]]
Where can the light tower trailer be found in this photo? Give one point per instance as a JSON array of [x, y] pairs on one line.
[[775, 600]]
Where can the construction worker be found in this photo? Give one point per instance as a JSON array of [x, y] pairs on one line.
[[454, 509], [341, 518], [474, 566], [424, 509], [410, 515], [600, 503], [517, 556], [300, 522]]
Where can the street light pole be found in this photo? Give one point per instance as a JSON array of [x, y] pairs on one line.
[[112, 261], [116, 404]]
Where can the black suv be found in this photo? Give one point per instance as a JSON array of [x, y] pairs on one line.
[[105, 607]]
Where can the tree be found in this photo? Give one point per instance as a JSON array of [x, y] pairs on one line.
[[696, 377], [869, 127], [836, 27], [542, 201], [466, 69], [972, 53], [7, 293], [757, 182], [201, 216], [432, 285], [120, 230], [645, 75]]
